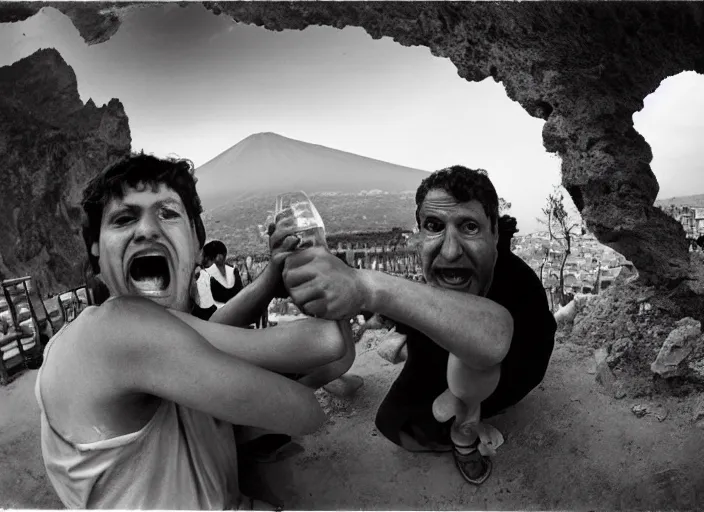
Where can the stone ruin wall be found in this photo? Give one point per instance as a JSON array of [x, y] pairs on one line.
[[51, 143], [584, 68]]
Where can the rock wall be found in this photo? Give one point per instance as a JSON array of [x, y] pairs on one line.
[[50, 145], [585, 68]]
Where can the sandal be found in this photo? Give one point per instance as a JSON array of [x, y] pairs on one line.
[[474, 467]]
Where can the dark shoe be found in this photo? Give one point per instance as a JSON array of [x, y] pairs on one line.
[[474, 467]]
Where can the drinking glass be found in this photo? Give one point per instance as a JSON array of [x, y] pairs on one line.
[[308, 223]]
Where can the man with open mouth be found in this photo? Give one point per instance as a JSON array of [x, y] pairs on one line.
[[138, 397], [479, 332]]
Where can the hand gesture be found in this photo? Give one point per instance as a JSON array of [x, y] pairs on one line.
[[322, 285], [282, 242]]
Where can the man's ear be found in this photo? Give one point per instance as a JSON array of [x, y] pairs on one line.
[[95, 249], [197, 249]]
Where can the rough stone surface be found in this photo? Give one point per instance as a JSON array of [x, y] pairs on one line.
[[677, 347], [619, 349], [657, 411], [50, 145], [583, 67], [698, 412], [96, 22], [628, 338]]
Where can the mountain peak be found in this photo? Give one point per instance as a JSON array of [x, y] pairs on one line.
[[264, 135], [267, 163]]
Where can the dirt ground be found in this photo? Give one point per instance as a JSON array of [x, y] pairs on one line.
[[568, 446]]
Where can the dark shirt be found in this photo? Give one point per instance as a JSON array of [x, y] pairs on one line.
[[424, 376], [223, 294]]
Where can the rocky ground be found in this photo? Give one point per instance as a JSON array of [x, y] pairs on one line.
[[629, 328], [600, 432]]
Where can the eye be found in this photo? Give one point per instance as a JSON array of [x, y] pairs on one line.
[[470, 227], [121, 220], [169, 213], [432, 225]]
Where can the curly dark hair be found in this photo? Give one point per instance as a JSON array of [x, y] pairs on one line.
[[138, 169], [213, 248], [464, 185]]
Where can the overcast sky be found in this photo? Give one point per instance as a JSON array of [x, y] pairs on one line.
[[194, 84]]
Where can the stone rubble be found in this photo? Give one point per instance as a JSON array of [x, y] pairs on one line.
[[627, 338], [658, 411], [678, 345]]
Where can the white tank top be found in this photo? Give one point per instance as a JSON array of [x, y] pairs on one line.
[[181, 459]]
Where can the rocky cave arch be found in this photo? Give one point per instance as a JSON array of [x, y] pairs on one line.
[[584, 68]]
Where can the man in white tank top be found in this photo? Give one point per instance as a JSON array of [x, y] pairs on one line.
[[138, 397]]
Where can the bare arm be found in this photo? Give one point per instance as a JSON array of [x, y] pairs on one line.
[[247, 306], [296, 347], [152, 352], [475, 329]]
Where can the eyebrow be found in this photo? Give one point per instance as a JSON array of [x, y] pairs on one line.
[[131, 208], [439, 216], [122, 208], [171, 202]]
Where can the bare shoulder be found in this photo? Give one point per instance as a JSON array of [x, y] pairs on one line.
[[75, 347], [87, 351], [81, 375]]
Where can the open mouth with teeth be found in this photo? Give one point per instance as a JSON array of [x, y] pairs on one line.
[[150, 275], [454, 277]]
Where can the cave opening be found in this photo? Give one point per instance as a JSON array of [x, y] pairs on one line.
[[581, 74], [193, 84], [671, 123], [573, 86]]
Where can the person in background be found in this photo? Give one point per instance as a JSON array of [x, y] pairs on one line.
[[203, 304], [225, 280]]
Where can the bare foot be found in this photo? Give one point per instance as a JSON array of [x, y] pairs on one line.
[[345, 386], [393, 348]]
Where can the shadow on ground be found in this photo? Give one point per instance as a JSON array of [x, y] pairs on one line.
[[567, 447]]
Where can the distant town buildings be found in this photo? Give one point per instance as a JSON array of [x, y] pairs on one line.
[[691, 218], [590, 268]]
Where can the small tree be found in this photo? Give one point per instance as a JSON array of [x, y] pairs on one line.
[[504, 206], [597, 283], [546, 254], [561, 227]]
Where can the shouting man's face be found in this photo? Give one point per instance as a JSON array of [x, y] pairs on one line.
[[458, 249], [148, 246]]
